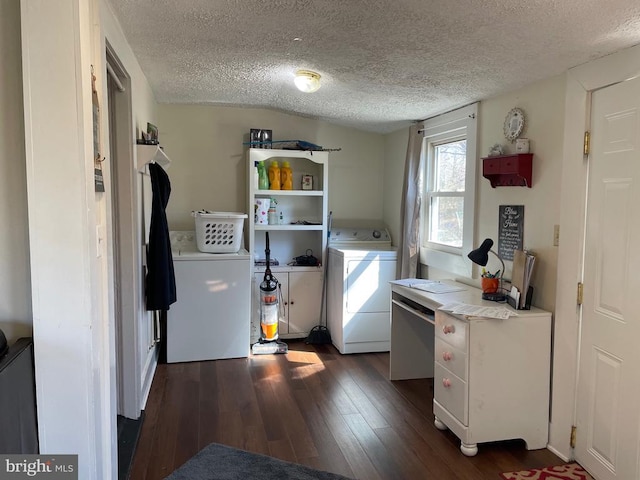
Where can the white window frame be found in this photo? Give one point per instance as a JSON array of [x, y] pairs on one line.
[[449, 127]]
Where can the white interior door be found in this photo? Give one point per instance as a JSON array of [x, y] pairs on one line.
[[608, 409], [124, 243]]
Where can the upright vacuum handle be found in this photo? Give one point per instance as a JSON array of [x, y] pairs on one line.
[[267, 253]]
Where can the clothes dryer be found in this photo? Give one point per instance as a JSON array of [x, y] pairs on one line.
[[362, 262]]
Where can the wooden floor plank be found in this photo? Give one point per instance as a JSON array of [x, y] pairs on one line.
[[209, 417], [144, 449], [329, 452], [360, 463], [282, 449], [356, 394], [162, 461], [188, 427], [384, 463], [292, 419], [313, 406]]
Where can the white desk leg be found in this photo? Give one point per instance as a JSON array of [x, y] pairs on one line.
[[469, 449], [438, 423]]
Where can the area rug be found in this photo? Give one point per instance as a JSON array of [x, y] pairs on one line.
[[570, 471], [219, 462]]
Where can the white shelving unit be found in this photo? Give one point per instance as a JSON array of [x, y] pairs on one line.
[[301, 286]]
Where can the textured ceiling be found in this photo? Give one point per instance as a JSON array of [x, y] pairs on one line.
[[383, 63]]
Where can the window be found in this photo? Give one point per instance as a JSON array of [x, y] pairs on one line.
[[449, 152]]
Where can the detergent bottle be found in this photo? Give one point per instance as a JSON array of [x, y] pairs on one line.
[[274, 176], [286, 177], [263, 179]]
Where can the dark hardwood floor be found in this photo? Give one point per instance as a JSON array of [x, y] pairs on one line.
[[315, 407]]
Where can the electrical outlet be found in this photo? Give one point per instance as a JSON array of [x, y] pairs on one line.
[[556, 235]]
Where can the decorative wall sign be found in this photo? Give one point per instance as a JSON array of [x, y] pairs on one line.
[[510, 230], [98, 179], [97, 158]]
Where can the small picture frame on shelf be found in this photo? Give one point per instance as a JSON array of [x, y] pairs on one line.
[[260, 138], [267, 139], [307, 182], [255, 138], [152, 134]]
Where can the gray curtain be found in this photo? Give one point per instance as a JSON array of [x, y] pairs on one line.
[[409, 250]]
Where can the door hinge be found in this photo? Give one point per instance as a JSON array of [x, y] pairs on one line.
[[587, 144], [572, 440], [580, 293]]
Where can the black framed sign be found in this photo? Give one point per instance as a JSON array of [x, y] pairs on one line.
[[510, 230]]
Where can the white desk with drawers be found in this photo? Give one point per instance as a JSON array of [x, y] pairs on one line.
[[491, 377]]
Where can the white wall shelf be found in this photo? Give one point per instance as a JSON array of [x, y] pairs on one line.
[[147, 154], [289, 193], [288, 228]]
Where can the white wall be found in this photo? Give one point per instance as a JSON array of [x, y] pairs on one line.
[[395, 151], [209, 167], [15, 278], [543, 104], [72, 332]]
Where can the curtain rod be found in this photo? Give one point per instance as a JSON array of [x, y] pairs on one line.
[[444, 113]]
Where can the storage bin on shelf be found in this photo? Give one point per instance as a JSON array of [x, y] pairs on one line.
[[219, 232]]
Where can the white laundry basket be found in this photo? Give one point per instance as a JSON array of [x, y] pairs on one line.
[[219, 232]]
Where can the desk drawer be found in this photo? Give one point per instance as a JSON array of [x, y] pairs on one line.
[[452, 330], [451, 393], [451, 358]]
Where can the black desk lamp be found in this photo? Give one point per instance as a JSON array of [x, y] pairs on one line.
[[480, 256]]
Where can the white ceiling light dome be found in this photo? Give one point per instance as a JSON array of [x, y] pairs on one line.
[[307, 81]]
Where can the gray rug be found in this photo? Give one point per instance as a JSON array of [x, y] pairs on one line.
[[219, 462]]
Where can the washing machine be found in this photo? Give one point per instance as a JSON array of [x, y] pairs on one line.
[[211, 317], [361, 264]]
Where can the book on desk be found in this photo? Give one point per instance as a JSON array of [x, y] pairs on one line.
[[521, 289]]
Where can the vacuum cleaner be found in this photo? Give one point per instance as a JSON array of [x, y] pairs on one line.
[[269, 342]]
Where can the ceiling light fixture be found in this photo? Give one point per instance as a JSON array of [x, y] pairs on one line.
[[307, 81]]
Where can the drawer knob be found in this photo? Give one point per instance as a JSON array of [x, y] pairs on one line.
[[446, 356], [448, 329], [446, 383]]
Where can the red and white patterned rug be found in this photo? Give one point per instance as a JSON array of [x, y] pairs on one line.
[[570, 471]]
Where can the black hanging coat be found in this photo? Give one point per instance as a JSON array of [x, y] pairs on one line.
[[160, 282]]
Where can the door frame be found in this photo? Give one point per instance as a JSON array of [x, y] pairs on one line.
[[581, 81], [124, 250]]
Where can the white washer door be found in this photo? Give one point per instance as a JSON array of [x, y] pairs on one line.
[[367, 285]]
